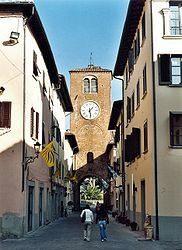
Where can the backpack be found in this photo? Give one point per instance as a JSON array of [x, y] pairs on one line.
[[83, 217]]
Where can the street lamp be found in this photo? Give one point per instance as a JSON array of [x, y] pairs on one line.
[[30, 159]]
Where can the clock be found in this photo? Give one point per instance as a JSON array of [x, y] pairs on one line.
[[90, 110]]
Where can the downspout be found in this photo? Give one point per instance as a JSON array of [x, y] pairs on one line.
[[25, 20], [155, 133], [24, 91], [123, 151]]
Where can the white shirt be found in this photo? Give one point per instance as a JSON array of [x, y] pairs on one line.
[[89, 215]]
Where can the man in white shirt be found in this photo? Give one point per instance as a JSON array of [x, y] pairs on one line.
[[89, 218]]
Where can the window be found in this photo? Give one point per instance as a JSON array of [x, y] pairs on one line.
[[117, 134], [44, 86], [34, 124], [132, 145], [170, 69], [137, 45], [90, 157], [90, 85], [131, 60], [176, 18], [143, 27], [145, 136], [43, 134], [144, 80], [176, 128], [138, 93], [86, 85], [35, 67], [128, 109], [176, 70], [5, 114]]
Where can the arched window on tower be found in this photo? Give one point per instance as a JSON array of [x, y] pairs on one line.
[[90, 157], [90, 85], [94, 85], [86, 85]]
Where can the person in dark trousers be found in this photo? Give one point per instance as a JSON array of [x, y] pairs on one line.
[[102, 219]]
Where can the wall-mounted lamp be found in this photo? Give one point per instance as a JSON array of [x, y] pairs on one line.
[[14, 35], [13, 39], [30, 159], [2, 90]]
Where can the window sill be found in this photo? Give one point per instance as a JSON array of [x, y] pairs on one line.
[[146, 151], [175, 85], [144, 95], [175, 147], [172, 36], [35, 77], [138, 106]]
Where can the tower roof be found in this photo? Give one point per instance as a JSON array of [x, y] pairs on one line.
[[91, 68]]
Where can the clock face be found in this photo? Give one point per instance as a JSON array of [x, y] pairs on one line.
[[90, 110]]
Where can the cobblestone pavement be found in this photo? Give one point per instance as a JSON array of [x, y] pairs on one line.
[[67, 233]]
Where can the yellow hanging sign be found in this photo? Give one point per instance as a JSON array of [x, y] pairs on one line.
[[48, 154]]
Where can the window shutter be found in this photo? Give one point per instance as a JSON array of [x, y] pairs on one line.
[[164, 69], [43, 133], [128, 109], [131, 60], [32, 122], [5, 114], [171, 128], [37, 126], [136, 137]]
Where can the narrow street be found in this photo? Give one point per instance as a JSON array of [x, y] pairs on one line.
[[66, 234]]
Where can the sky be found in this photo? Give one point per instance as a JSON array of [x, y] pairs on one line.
[[77, 28]]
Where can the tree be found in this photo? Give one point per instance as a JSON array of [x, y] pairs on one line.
[[89, 191]]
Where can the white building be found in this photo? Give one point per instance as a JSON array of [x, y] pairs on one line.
[[35, 97], [150, 60]]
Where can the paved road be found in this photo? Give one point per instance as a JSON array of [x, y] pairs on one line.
[[67, 234]]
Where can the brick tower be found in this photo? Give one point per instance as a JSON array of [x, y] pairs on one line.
[[90, 90]]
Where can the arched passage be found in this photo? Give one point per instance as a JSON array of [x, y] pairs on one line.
[[99, 171]]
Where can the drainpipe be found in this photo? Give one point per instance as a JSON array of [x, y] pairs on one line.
[[23, 136], [25, 20], [155, 134], [123, 151]]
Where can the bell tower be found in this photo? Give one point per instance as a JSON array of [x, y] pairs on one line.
[[90, 91]]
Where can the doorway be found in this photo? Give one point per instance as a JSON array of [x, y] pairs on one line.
[[40, 206], [30, 207], [143, 212]]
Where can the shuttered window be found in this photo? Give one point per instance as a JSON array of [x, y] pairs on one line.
[[145, 136], [164, 69], [34, 124], [170, 69], [138, 93], [176, 128], [5, 114], [35, 67], [144, 80], [128, 109], [143, 27], [37, 126]]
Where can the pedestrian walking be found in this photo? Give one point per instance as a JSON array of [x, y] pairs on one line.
[[103, 220], [97, 208], [89, 218]]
